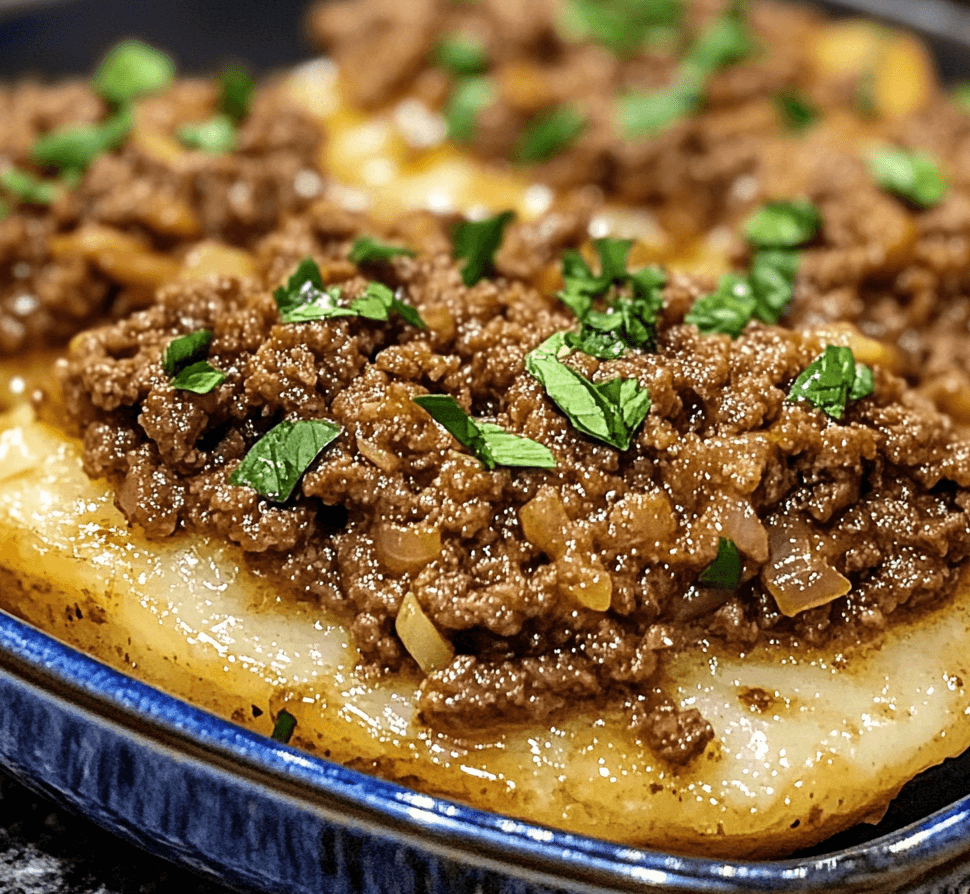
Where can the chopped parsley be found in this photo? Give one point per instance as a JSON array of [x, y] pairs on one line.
[[368, 250], [215, 135], [784, 223], [236, 88], [492, 445], [623, 26], [726, 311], [29, 188], [609, 411], [476, 242], [724, 42], [185, 362], [909, 175], [725, 571], [277, 461], [130, 70], [647, 114], [284, 727], [772, 279], [832, 380], [548, 133], [73, 148], [466, 102], [304, 298], [460, 54], [629, 319], [796, 112]]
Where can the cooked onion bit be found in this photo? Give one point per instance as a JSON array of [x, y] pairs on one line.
[[421, 638]]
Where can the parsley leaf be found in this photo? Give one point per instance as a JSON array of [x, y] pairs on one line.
[[467, 100], [74, 148], [214, 136], [549, 133], [186, 349], [629, 320], [726, 41], [132, 69], [199, 378], [236, 88], [647, 114], [796, 112], [28, 188], [832, 380], [277, 461], [726, 311], [476, 241], [910, 175], [725, 571], [460, 54], [783, 224], [304, 298], [608, 411], [772, 280], [368, 250], [491, 444], [622, 26], [284, 726]]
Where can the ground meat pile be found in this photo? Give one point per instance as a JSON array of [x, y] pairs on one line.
[[507, 563], [142, 212]]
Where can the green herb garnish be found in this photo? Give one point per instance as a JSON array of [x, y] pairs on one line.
[[609, 411], [460, 54], [132, 69], [468, 99], [236, 88], [725, 571], [476, 241], [549, 133], [726, 311], [368, 250], [215, 135], [629, 319], [187, 349], [726, 41], [199, 378], [623, 26], [796, 112], [74, 148], [29, 188], [277, 461], [784, 223], [832, 380], [304, 298], [910, 175], [492, 445], [772, 280], [647, 114], [284, 726]]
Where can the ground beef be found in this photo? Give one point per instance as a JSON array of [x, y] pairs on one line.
[[876, 500], [137, 214]]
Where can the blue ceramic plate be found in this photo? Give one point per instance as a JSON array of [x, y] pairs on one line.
[[259, 815]]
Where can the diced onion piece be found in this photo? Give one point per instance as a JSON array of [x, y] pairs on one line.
[[210, 258], [421, 638], [125, 258], [796, 575], [582, 578], [15, 455], [171, 217], [383, 459], [160, 147], [950, 391], [544, 522], [740, 523], [406, 548]]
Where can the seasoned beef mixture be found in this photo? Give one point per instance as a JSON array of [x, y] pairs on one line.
[[100, 239], [549, 584]]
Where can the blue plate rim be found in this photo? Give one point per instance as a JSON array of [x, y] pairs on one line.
[[512, 847]]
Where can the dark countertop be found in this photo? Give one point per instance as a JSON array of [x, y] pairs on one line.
[[46, 849]]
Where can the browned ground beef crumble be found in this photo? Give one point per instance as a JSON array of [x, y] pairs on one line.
[[879, 496]]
